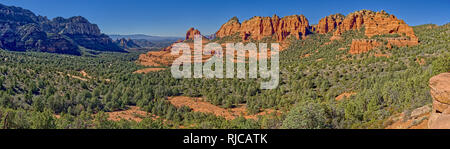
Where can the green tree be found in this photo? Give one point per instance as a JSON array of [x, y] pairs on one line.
[[309, 115]]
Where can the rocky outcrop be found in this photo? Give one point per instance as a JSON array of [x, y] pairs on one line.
[[274, 27], [415, 119], [230, 28], [401, 42], [383, 23], [440, 91], [363, 45], [329, 23], [375, 23], [22, 30], [164, 57], [190, 34]]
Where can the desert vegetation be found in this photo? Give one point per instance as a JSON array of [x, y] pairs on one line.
[[37, 90]]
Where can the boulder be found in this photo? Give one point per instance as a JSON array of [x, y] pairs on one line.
[[440, 88], [440, 91]]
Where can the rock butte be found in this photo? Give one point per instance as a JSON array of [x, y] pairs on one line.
[[297, 26], [440, 91], [164, 57]]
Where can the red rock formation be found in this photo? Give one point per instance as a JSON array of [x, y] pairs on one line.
[[292, 25], [401, 42], [258, 28], [383, 23], [440, 91], [191, 33], [376, 23], [329, 23], [164, 57], [230, 28], [363, 45]]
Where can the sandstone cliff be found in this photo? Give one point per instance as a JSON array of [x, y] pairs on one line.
[[329, 23], [375, 23], [258, 28]]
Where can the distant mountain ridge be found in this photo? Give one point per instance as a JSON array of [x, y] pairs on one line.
[[146, 37], [22, 30]]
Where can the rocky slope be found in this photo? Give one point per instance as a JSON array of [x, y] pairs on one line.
[[440, 91], [127, 43], [22, 30]]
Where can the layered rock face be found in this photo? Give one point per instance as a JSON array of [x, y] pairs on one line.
[[362, 45], [82, 32], [329, 23], [258, 28], [440, 91], [22, 30]]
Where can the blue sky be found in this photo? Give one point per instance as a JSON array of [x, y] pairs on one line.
[[175, 17]]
